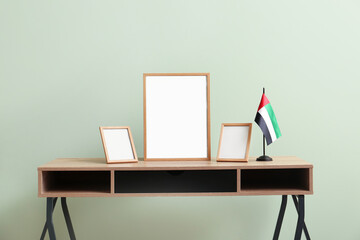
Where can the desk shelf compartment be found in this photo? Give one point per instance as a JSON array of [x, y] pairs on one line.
[[78, 182], [264, 180], [184, 181]]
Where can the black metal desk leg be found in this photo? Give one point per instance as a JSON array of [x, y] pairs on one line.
[[280, 217], [45, 225], [67, 218], [50, 204], [301, 215], [297, 209]]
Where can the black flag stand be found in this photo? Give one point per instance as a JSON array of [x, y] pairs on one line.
[[264, 157]]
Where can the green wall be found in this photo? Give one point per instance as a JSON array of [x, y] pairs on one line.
[[67, 67]]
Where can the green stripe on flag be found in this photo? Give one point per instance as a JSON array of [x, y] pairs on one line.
[[273, 119]]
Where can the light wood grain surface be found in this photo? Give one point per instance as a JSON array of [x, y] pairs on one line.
[[100, 164]]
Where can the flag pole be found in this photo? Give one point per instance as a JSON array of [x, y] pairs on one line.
[[264, 157], [263, 134]]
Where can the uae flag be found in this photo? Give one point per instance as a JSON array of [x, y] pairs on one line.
[[266, 120]]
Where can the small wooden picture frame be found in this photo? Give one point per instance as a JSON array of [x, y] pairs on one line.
[[234, 142], [118, 144]]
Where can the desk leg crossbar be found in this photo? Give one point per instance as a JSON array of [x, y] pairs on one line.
[[299, 202], [49, 225]]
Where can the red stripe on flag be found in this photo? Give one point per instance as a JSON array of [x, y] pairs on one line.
[[264, 101]]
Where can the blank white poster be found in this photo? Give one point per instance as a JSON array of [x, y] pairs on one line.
[[118, 144], [176, 117], [234, 142]]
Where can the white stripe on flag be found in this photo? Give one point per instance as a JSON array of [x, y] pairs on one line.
[[263, 112]]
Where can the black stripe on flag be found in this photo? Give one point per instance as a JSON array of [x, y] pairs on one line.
[[262, 124]]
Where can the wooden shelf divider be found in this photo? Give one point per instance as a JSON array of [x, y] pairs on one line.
[[112, 181]]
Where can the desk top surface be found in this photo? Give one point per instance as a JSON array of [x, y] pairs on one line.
[[100, 164]]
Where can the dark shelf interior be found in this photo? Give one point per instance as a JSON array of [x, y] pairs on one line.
[[77, 181], [188, 181], [263, 179]]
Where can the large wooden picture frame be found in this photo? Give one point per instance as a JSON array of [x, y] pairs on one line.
[[177, 116], [118, 144], [234, 142]]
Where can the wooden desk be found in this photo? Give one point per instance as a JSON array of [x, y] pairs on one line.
[[92, 177]]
